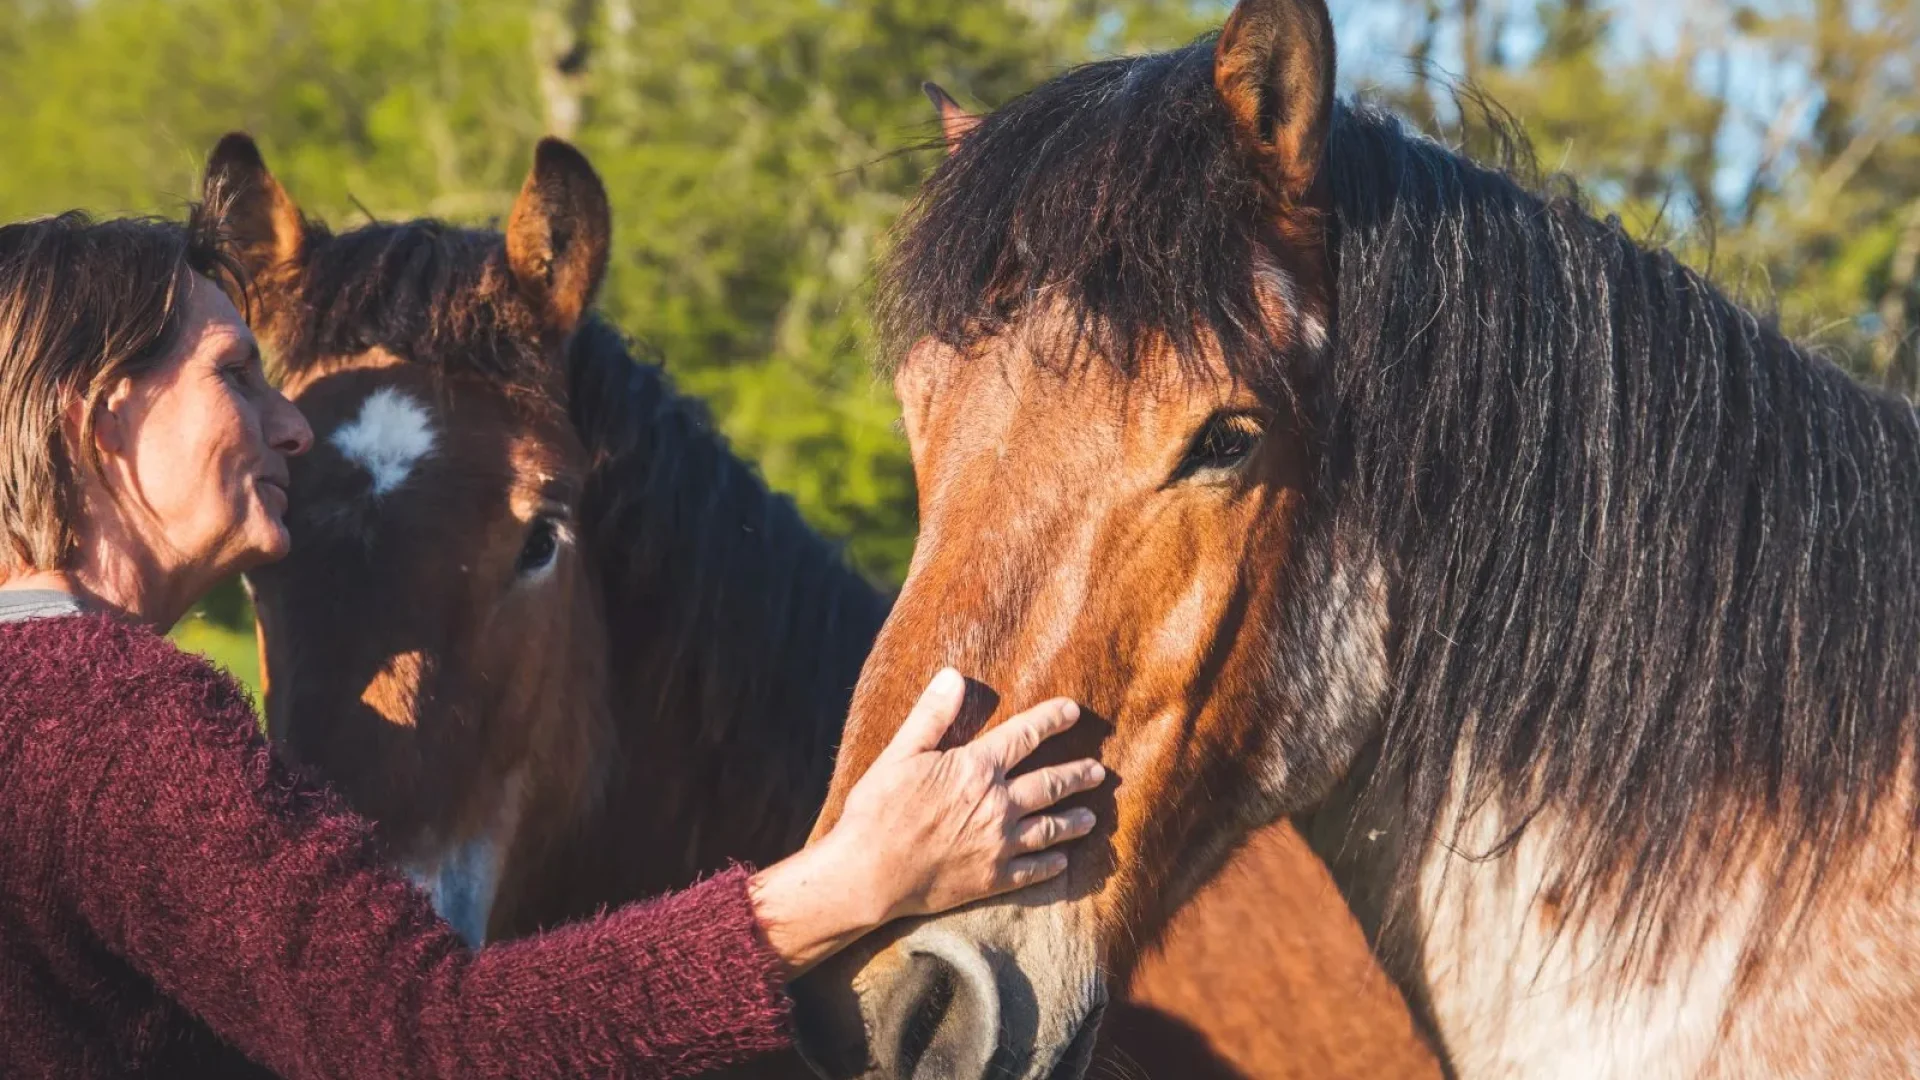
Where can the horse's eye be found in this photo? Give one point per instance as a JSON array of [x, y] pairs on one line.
[[541, 546], [1223, 443]]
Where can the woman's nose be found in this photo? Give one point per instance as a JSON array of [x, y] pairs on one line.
[[287, 429]]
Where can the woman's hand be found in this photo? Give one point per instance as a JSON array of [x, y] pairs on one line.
[[926, 830]]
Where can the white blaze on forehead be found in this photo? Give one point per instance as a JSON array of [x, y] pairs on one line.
[[389, 437]]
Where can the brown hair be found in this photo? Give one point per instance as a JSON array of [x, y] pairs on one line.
[[83, 305]]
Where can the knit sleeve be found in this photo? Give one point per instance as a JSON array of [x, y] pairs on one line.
[[259, 904]]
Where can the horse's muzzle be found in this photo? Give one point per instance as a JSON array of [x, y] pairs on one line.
[[941, 1010]]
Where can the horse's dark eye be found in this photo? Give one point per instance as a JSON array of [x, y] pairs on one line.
[[1224, 442], [542, 544]]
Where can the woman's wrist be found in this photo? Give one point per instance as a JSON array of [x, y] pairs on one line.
[[816, 902]]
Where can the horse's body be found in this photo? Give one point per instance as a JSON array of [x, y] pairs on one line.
[[1339, 475], [568, 651], [1517, 990]]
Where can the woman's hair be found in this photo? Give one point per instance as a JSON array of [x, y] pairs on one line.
[[83, 305]]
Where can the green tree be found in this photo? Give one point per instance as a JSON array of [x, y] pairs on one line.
[[1778, 142], [757, 152]]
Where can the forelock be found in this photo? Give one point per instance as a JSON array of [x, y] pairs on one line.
[[1117, 189], [425, 291]]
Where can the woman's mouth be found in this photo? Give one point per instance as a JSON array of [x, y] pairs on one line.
[[274, 494]]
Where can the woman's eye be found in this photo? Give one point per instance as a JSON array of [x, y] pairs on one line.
[[540, 548], [1224, 442]]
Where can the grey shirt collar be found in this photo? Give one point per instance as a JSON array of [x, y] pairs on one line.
[[20, 605]]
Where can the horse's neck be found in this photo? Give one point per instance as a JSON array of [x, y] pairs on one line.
[[726, 745], [736, 635], [1654, 572], [1510, 990]]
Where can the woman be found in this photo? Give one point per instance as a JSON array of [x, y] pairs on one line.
[[174, 902]]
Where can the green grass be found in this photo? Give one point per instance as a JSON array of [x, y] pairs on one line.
[[228, 648]]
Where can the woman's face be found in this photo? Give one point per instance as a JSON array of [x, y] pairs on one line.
[[199, 446]]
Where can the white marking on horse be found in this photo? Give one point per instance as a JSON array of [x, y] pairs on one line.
[[1518, 992], [464, 880], [1313, 331], [1310, 328], [462, 885], [389, 437], [1339, 635]]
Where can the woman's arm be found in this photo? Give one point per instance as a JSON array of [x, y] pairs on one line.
[[260, 905]]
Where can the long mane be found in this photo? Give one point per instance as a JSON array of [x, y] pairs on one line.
[[1655, 566], [1660, 566], [733, 610], [730, 619]]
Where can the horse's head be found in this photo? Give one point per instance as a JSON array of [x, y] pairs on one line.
[[434, 606], [1112, 299]]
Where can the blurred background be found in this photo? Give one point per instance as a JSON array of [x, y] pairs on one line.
[[757, 152]]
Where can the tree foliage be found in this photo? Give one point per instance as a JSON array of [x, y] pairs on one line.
[[1777, 143], [757, 151]]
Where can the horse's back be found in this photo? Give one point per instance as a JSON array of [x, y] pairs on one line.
[[1266, 975]]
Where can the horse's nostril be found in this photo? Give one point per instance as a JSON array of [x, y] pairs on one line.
[[942, 1019]]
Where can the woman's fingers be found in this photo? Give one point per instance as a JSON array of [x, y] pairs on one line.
[[932, 715], [1041, 788], [1024, 870], [1010, 743], [1042, 831]]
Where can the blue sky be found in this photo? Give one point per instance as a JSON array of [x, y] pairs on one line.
[[1375, 38]]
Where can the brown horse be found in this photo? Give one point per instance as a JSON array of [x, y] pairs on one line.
[[568, 650], [1330, 469]]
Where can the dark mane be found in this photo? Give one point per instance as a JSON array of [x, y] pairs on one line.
[[733, 609], [1659, 565], [732, 623], [1114, 189], [1654, 564]]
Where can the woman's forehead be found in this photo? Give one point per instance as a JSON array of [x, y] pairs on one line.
[[213, 328]]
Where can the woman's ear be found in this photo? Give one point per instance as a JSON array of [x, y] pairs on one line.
[[110, 435]]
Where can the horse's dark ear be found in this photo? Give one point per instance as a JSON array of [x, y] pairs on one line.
[[258, 219], [1273, 67], [955, 122], [558, 235]]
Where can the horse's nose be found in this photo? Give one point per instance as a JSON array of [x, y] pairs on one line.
[[939, 1019]]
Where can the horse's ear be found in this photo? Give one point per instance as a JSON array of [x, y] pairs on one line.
[[1273, 67], [558, 235], [955, 122], [259, 221]]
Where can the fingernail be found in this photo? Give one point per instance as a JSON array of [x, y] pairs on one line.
[[1057, 861], [948, 683], [1083, 818], [1070, 712], [1097, 772]]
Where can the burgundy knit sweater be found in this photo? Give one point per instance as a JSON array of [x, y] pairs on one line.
[[175, 902]]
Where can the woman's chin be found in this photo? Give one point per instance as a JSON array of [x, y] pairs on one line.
[[278, 543], [267, 541]]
